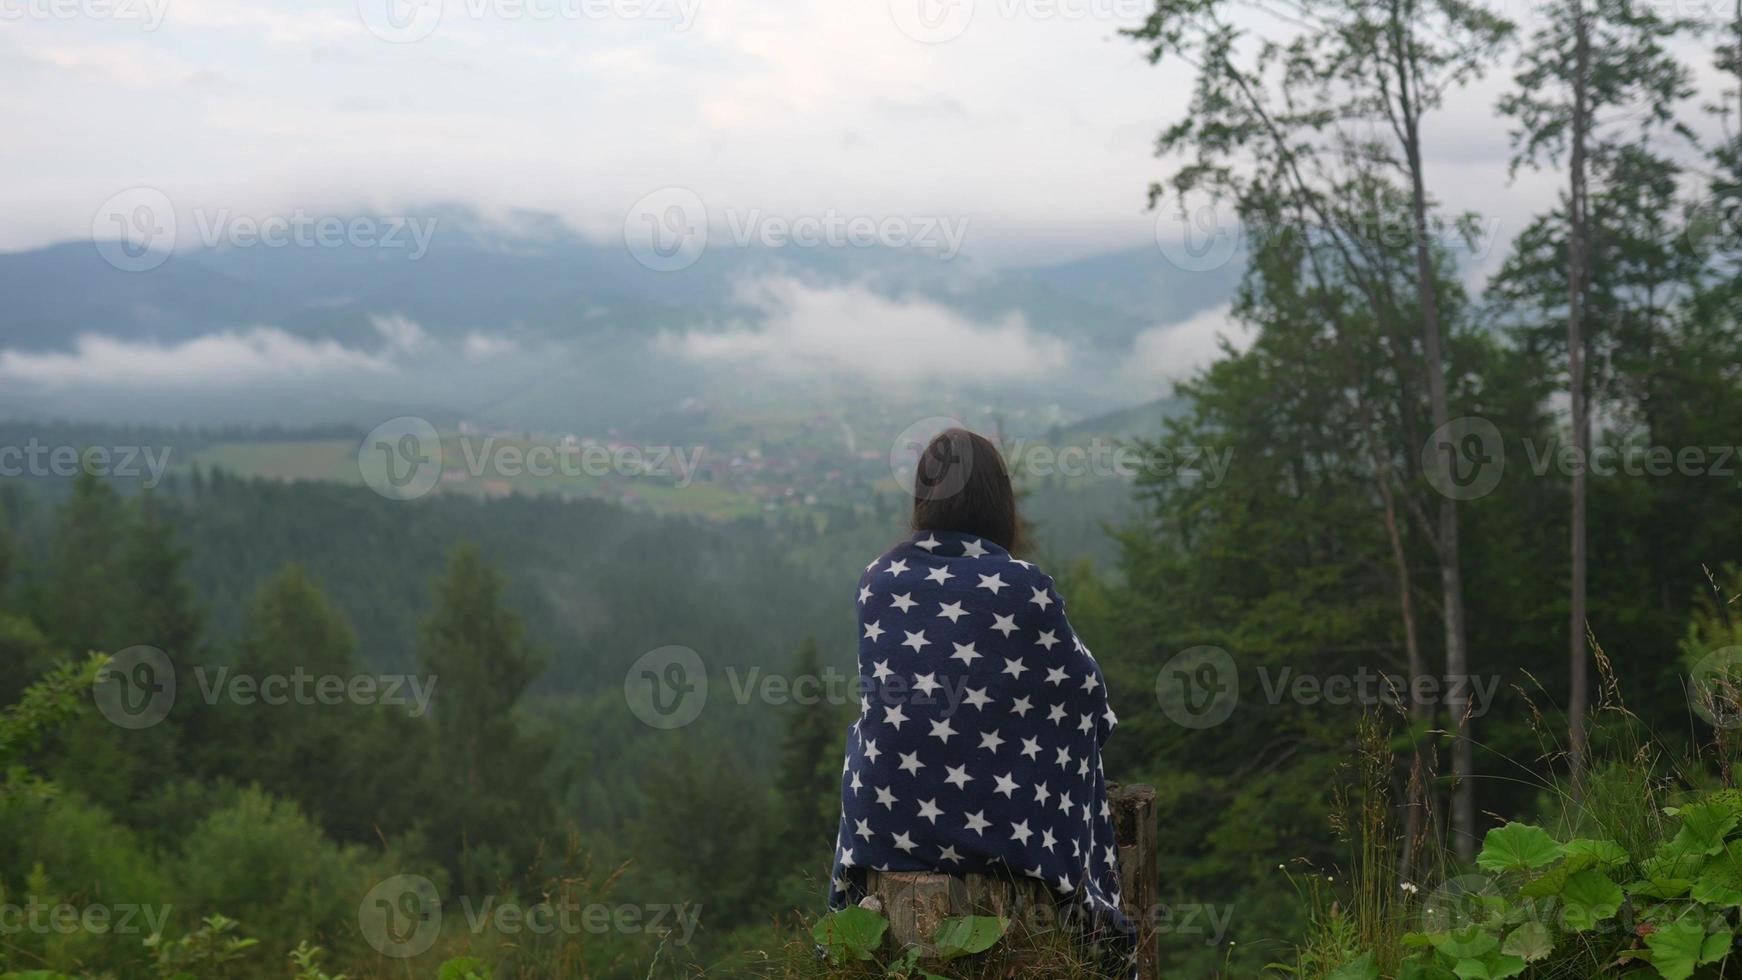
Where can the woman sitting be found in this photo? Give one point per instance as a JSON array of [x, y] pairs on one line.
[[978, 743]]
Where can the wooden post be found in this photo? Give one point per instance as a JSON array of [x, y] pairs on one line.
[[1139, 877], [916, 901]]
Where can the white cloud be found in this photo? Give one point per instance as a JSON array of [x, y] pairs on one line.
[[230, 358], [850, 329], [403, 335], [1163, 355], [480, 346], [132, 65]]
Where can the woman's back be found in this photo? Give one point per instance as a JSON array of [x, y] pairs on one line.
[[977, 748]]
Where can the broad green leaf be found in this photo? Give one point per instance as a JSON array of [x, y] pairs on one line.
[[1659, 887], [1363, 967], [1731, 798], [1602, 853], [1493, 966], [1678, 947], [463, 968], [1704, 826], [1588, 898], [1517, 847], [1468, 943], [1530, 942], [966, 935], [1720, 881], [1666, 876], [850, 933], [1424, 967], [1554, 879]]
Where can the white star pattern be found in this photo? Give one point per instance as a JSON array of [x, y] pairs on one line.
[[914, 797]]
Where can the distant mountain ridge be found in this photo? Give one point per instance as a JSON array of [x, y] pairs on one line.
[[536, 275]]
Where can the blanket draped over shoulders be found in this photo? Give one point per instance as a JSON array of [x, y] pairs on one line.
[[978, 742]]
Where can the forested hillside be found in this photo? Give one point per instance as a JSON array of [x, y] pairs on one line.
[[1418, 594]]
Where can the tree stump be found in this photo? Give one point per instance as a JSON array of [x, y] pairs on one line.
[[1134, 833], [915, 902]]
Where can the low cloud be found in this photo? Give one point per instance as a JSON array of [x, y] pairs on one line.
[[229, 358], [850, 329], [400, 333], [480, 346], [1162, 355]]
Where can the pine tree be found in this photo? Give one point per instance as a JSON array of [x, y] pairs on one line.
[[8, 553], [810, 757], [85, 572], [491, 776]]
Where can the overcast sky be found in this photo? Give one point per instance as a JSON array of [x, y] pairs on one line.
[[1030, 120]]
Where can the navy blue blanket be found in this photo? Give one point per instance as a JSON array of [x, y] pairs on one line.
[[982, 716]]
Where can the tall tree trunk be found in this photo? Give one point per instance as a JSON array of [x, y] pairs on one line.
[[1463, 829], [1420, 709], [1577, 259]]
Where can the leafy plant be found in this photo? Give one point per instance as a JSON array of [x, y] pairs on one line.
[[1586, 904], [851, 933], [855, 934], [308, 963], [462, 968], [201, 953]]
